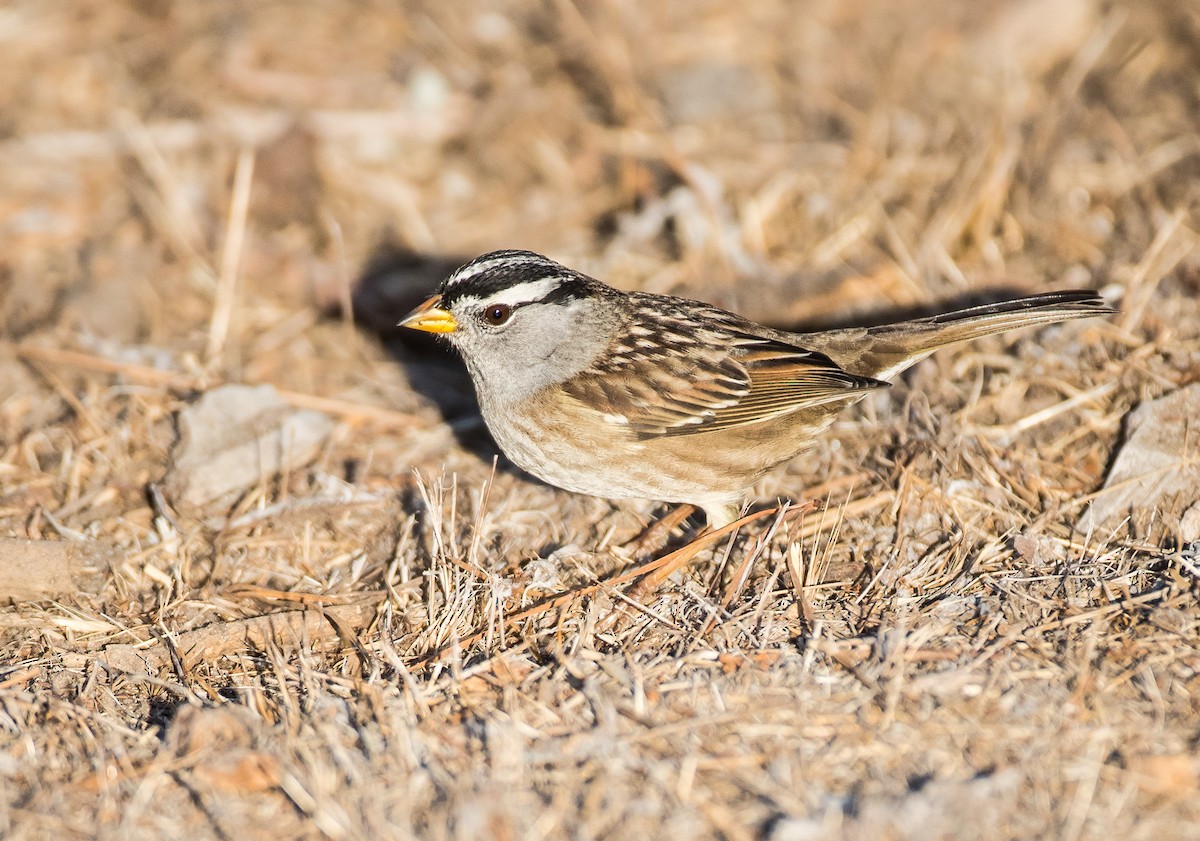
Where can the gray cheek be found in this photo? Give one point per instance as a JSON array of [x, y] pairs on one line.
[[504, 360], [538, 348]]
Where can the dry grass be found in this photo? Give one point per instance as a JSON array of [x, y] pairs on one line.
[[399, 641]]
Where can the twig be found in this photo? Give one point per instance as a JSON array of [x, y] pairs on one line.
[[287, 628], [231, 254]]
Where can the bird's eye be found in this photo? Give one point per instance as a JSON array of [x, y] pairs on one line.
[[497, 314]]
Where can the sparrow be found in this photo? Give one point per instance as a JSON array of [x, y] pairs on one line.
[[635, 395]]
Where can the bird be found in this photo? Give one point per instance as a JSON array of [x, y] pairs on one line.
[[633, 395]]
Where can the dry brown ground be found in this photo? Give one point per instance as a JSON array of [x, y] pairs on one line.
[[940, 654]]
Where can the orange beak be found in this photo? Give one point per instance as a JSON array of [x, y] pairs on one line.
[[430, 317]]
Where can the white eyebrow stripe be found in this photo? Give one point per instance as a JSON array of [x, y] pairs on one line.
[[523, 293]]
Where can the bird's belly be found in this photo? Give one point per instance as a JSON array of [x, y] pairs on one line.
[[568, 458], [605, 460]]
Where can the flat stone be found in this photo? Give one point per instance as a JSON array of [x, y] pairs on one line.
[[714, 90], [234, 437], [1189, 524], [1158, 466], [39, 569]]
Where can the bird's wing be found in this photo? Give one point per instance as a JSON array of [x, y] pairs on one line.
[[691, 370]]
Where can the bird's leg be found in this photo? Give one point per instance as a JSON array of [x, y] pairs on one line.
[[655, 536], [661, 569]]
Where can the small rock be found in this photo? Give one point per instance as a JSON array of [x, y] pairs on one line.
[[798, 829], [708, 90], [24, 402], [1171, 776], [1019, 36], [1189, 524], [217, 744], [1036, 548], [38, 569], [1158, 466], [235, 436]]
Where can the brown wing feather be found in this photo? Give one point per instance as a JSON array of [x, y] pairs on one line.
[[696, 370], [786, 378]]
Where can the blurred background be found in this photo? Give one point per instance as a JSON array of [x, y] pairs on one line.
[[797, 160], [198, 193]]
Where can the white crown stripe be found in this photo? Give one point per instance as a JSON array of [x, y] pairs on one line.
[[482, 265], [472, 269]]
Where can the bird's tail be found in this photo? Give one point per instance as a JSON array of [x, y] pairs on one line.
[[884, 351]]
